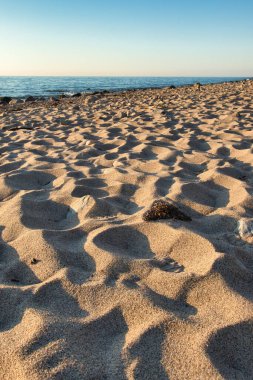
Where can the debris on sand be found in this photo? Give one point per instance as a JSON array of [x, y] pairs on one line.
[[161, 209]]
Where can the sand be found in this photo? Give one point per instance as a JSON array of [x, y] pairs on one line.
[[91, 290]]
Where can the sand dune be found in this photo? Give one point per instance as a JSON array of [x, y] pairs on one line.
[[91, 290]]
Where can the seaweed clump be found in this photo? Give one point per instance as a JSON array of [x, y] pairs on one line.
[[163, 210]]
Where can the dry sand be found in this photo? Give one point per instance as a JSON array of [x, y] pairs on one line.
[[88, 289]]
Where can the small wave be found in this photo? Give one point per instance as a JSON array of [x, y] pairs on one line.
[[69, 93]]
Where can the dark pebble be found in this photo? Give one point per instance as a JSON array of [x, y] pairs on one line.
[[30, 99], [34, 261], [77, 95], [5, 99]]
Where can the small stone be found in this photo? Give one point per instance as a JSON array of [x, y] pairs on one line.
[[5, 99], [34, 261], [77, 95], [122, 115], [161, 209], [245, 228], [30, 99], [53, 99], [16, 101]]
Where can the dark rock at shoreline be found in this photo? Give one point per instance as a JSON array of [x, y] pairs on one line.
[[30, 99], [5, 99], [172, 87], [14, 102], [198, 85], [77, 95], [53, 99], [101, 93]]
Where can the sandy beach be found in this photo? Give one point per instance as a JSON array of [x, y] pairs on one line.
[[95, 283]]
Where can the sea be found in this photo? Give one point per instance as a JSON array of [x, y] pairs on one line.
[[21, 87]]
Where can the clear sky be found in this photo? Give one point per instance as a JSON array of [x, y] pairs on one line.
[[126, 37]]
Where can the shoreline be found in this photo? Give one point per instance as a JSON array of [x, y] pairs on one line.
[[12, 104], [6, 99]]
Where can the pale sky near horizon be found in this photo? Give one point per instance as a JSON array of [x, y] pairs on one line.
[[157, 38]]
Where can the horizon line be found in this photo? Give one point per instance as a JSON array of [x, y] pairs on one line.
[[132, 76]]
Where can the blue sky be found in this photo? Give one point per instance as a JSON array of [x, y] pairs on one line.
[[159, 37]]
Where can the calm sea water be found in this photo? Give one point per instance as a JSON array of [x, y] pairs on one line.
[[49, 86]]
